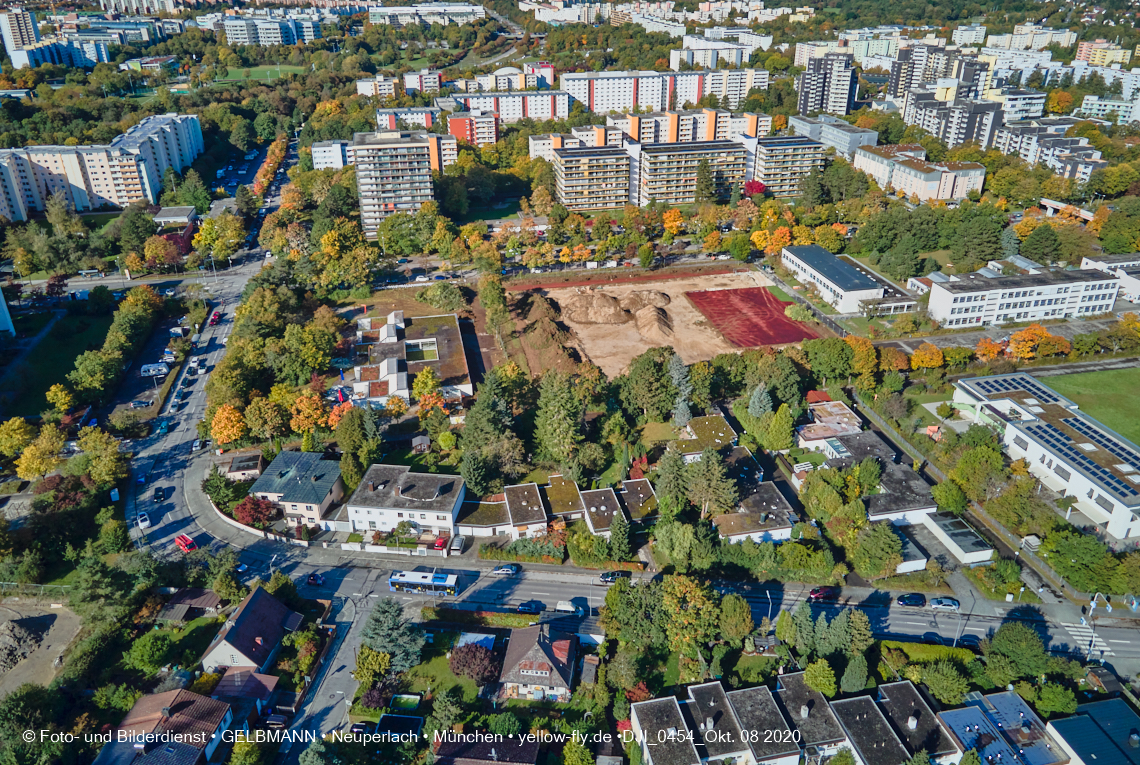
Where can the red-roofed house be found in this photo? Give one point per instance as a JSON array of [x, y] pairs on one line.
[[539, 664]]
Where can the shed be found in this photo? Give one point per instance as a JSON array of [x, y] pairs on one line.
[[421, 444]]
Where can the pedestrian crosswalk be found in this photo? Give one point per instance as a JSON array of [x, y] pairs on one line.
[[1082, 634]]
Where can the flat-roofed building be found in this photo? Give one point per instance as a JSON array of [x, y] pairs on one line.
[[423, 81], [809, 715], [395, 119], [833, 132], [691, 125], [592, 178], [389, 495], [978, 298], [1001, 727], [331, 154], [1067, 450], [381, 86], [872, 739], [668, 172], [393, 173], [838, 282], [512, 106], [782, 163], [937, 181], [475, 128]]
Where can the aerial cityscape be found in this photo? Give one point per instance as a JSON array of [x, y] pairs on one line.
[[666, 382]]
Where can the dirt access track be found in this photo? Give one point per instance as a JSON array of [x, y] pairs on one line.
[[58, 626], [613, 345]]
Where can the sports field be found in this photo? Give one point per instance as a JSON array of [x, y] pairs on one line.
[[269, 71], [1108, 396], [749, 317]]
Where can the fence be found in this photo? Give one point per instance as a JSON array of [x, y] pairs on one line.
[[34, 589], [977, 512], [820, 316]]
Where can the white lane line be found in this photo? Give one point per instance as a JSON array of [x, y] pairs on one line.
[[536, 592], [1126, 642]]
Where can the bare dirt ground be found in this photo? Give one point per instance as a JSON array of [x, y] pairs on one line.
[[57, 626], [613, 346]]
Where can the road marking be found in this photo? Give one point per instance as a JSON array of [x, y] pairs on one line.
[[536, 592], [1120, 641]]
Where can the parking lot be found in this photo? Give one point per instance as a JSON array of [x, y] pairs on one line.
[[242, 168]]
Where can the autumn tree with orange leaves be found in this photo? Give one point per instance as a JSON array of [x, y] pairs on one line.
[[228, 425], [927, 356], [339, 411], [988, 350], [893, 359], [308, 413], [1023, 345], [778, 240], [866, 359], [673, 221]]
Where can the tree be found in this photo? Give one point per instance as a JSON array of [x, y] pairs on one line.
[[557, 428], [1042, 245], [670, 484], [1054, 697], [945, 682], [819, 676], [619, 537], [861, 636], [242, 134], [576, 753], [266, 419], [878, 551], [735, 619], [843, 757], [60, 398], [949, 497], [705, 191], [228, 425], [978, 472], [41, 456], [426, 382], [255, 512], [1010, 243], [15, 434], [780, 435], [760, 403], [474, 661], [1021, 644], [107, 464], [692, 617], [389, 632], [308, 413], [855, 675], [800, 313], [149, 653], [709, 487], [927, 356]]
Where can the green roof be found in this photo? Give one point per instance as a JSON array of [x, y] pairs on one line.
[[563, 496], [712, 431], [483, 514]]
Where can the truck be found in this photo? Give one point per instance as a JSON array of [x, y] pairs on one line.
[[154, 370], [194, 340], [179, 331]]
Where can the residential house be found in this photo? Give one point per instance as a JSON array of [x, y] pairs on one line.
[[913, 719], [1101, 732], [660, 729], [829, 419], [1001, 727], [708, 432], [539, 664], [640, 499], [398, 348], [252, 636], [601, 507], [246, 467], [240, 685], [302, 484], [762, 516], [189, 603], [527, 513], [756, 710], [389, 495], [459, 751], [873, 742], [196, 724], [809, 715]]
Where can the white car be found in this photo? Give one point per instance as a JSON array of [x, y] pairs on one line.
[[944, 604], [509, 569], [196, 446], [422, 278], [144, 521]]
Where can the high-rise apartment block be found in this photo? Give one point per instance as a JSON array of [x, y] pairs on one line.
[[904, 169], [975, 34], [1102, 53], [331, 154], [833, 132], [512, 106], [1032, 37], [592, 178], [952, 122], [475, 128], [381, 86], [63, 52], [18, 28], [127, 170], [604, 92], [691, 125], [699, 52], [271, 31], [393, 172], [426, 14], [423, 81], [781, 163], [828, 85], [394, 119], [668, 172]]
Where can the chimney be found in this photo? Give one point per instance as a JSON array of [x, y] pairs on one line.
[[912, 722], [166, 711], [371, 486], [803, 711], [708, 723], [315, 479], [1134, 740]]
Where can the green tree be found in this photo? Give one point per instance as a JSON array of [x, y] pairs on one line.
[[575, 753], [760, 402], [735, 619], [692, 616], [473, 468], [670, 484], [950, 497], [634, 614], [861, 635], [557, 425], [1042, 245], [15, 434], [619, 537], [878, 551], [844, 756], [819, 676], [1055, 697], [242, 134], [705, 192], [780, 435], [1021, 644], [426, 382], [149, 653], [945, 682], [709, 487], [979, 472], [388, 631], [855, 675]]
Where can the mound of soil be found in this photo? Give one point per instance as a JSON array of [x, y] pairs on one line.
[[595, 308], [16, 644], [638, 299], [654, 325]]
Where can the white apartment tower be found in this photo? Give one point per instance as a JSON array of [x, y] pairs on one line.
[[393, 174], [18, 27], [828, 85]]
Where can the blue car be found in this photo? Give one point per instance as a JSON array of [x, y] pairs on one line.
[[916, 599], [531, 607]]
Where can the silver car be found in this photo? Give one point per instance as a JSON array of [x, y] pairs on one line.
[[945, 604]]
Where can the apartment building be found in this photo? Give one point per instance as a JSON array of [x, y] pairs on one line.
[[1067, 450], [592, 178], [508, 78], [1032, 37], [781, 163], [384, 87], [833, 132], [61, 51], [475, 128], [512, 106], [423, 81], [389, 495], [691, 125], [981, 298], [698, 52], [829, 84], [18, 29], [393, 174], [603, 92], [974, 34], [1043, 141], [1018, 104], [394, 119], [838, 282], [904, 169], [879, 162], [426, 15], [953, 122], [127, 170], [1102, 53], [668, 172], [331, 154], [543, 146], [1107, 108], [271, 31]]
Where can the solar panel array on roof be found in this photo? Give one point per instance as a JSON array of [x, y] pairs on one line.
[[1103, 440], [997, 386], [1061, 444]]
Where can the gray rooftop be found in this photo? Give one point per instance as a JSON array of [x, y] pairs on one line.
[[902, 701], [869, 732], [807, 712], [601, 504], [299, 477], [1002, 723], [976, 283], [902, 488], [656, 718], [826, 264], [757, 710], [1089, 742], [960, 532], [524, 503], [396, 486], [710, 704], [1118, 721]]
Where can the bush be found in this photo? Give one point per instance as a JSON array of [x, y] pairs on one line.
[[921, 653], [474, 661], [443, 296], [372, 699]]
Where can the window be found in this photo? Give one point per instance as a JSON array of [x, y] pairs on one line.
[[1021, 442], [372, 524], [399, 515], [1065, 475]]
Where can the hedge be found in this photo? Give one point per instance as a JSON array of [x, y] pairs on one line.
[[478, 618], [924, 653], [489, 551]]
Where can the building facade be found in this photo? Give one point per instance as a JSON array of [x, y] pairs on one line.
[[627, 91], [833, 132], [976, 299], [592, 178], [512, 106], [838, 282], [381, 86], [331, 154], [828, 85], [393, 174], [475, 128], [389, 495], [781, 163], [668, 172]]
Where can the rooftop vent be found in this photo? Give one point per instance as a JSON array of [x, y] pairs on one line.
[[803, 711], [912, 722]]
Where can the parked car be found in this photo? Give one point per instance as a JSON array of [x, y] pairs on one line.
[[508, 569], [170, 292], [358, 728], [912, 599], [457, 543], [531, 607], [144, 521], [185, 543], [823, 594], [609, 577], [241, 568], [439, 544], [163, 428], [139, 404], [945, 604], [159, 494], [196, 445]]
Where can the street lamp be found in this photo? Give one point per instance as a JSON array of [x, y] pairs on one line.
[[1092, 628]]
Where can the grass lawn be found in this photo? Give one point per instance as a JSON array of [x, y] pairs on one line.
[[508, 209], [919, 581], [1108, 396], [929, 398], [779, 294], [53, 358], [656, 432], [416, 461], [944, 258], [1029, 596], [190, 642], [672, 670], [263, 72], [858, 325], [434, 673], [30, 323], [98, 222], [540, 476], [612, 475]]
